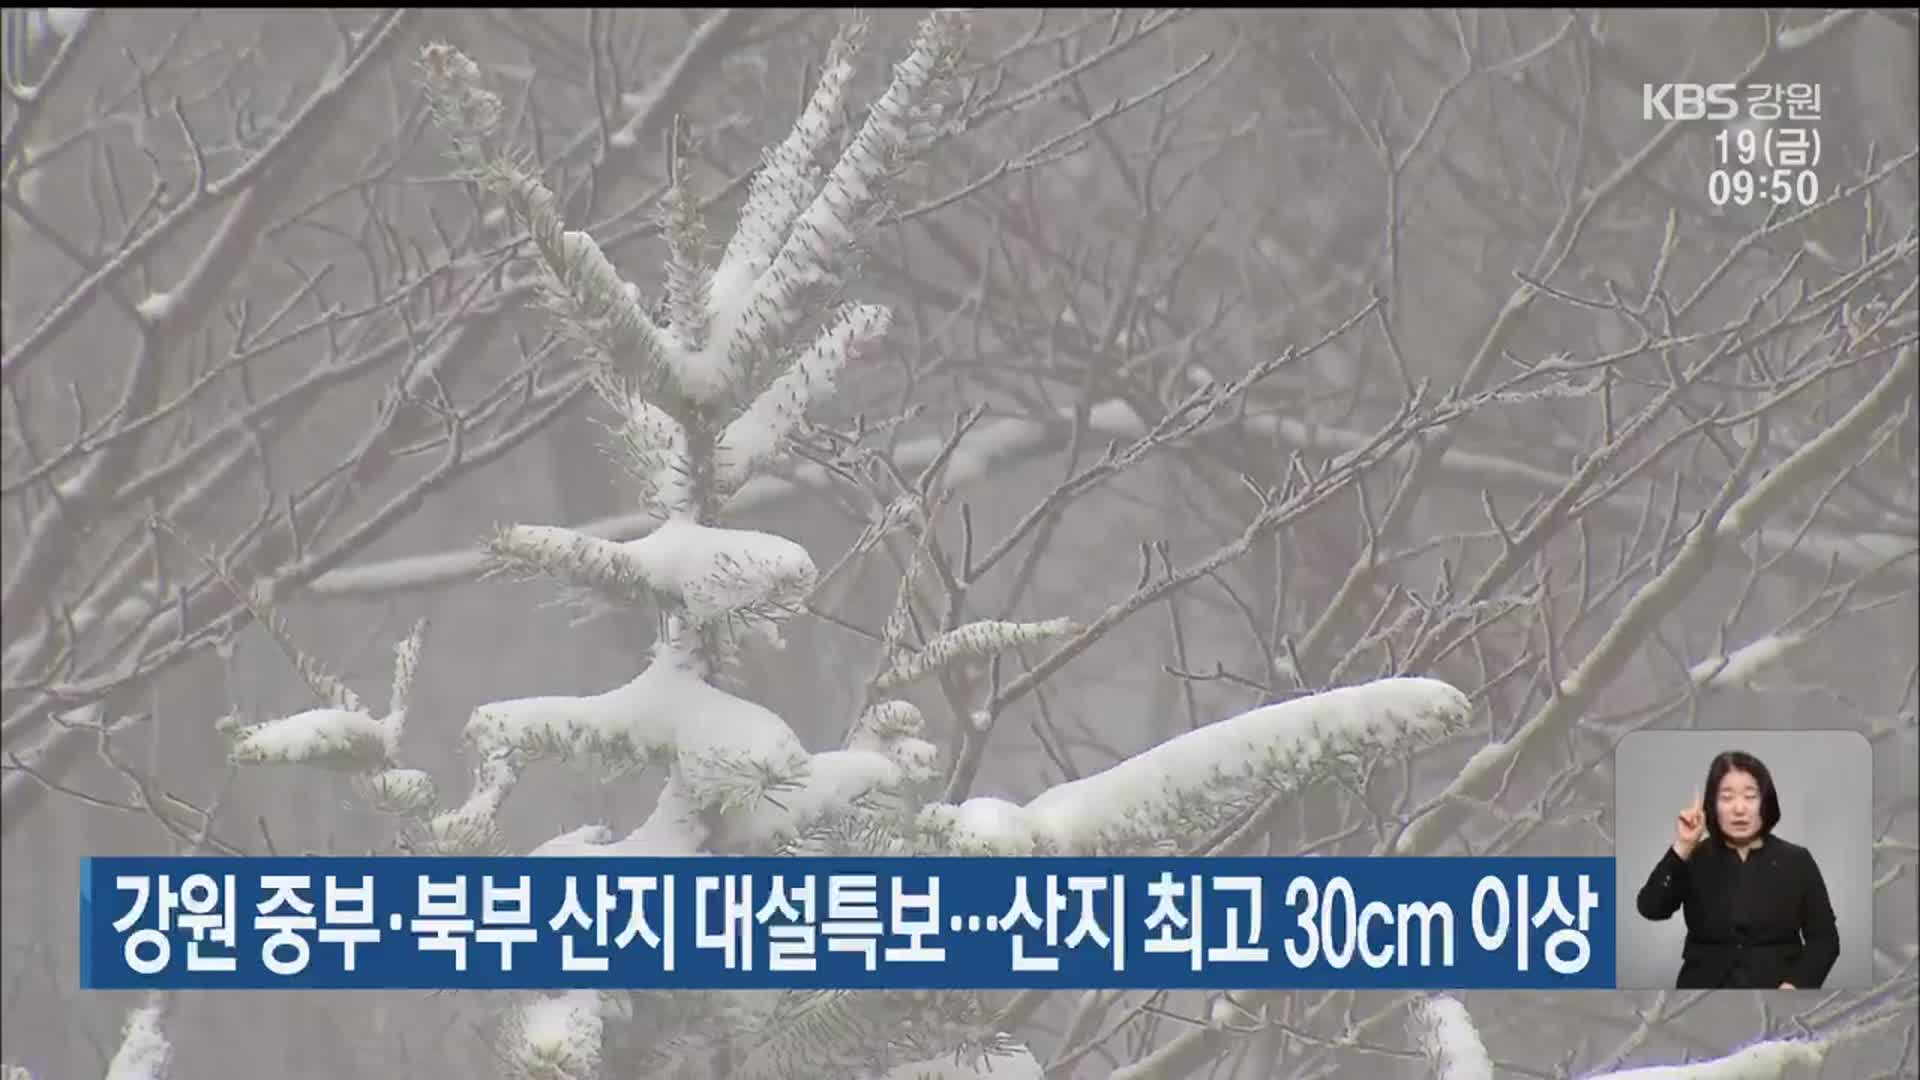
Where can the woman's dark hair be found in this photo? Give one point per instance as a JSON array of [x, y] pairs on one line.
[[1740, 761]]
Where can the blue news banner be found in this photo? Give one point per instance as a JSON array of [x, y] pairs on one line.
[[846, 923]]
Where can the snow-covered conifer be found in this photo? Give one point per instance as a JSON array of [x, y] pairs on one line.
[[709, 388]]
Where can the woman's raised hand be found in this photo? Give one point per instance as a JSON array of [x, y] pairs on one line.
[[1689, 827]]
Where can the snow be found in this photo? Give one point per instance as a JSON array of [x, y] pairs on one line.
[[656, 447], [673, 829], [561, 1034], [982, 825], [1450, 1040], [154, 308], [835, 780], [332, 738], [978, 640], [1762, 1061], [585, 840], [713, 573], [781, 189], [1268, 749], [398, 791], [885, 722], [469, 827], [344, 736], [824, 224], [759, 433], [623, 722], [603, 301], [1738, 667], [406, 667], [667, 712], [717, 572], [144, 1051]]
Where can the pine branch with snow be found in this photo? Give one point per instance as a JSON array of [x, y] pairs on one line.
[[797, 236], [1165, 799], [759, 435], [704, 403], [974, 641], [595, 305], [1772, 1059], [344, 735], [341, 735], [880, 777], [556, 1037]]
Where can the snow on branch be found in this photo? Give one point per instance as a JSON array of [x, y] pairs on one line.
[[727, 751], [707, 575], [397, 792], [343, 734], [689, 280], [1774, 1059], [655, 447], [728, 324], [760, 311], [758, 434], [471, 828], [1450, 1041], [346, 736], [328, 738], [145, 1053], [1187, 787], [1739, 666], [875, 780], [721, 574], [974, 641], [557, 1037], [605, 566], [785, 182], [704, 403], [406, 667], [594, 303], [675, 828]]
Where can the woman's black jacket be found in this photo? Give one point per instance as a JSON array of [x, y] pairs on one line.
[[1752, 923]]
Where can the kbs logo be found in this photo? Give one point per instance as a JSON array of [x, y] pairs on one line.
[[1688, 101]]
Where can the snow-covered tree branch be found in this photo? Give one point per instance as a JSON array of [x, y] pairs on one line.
[[994, 432]]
